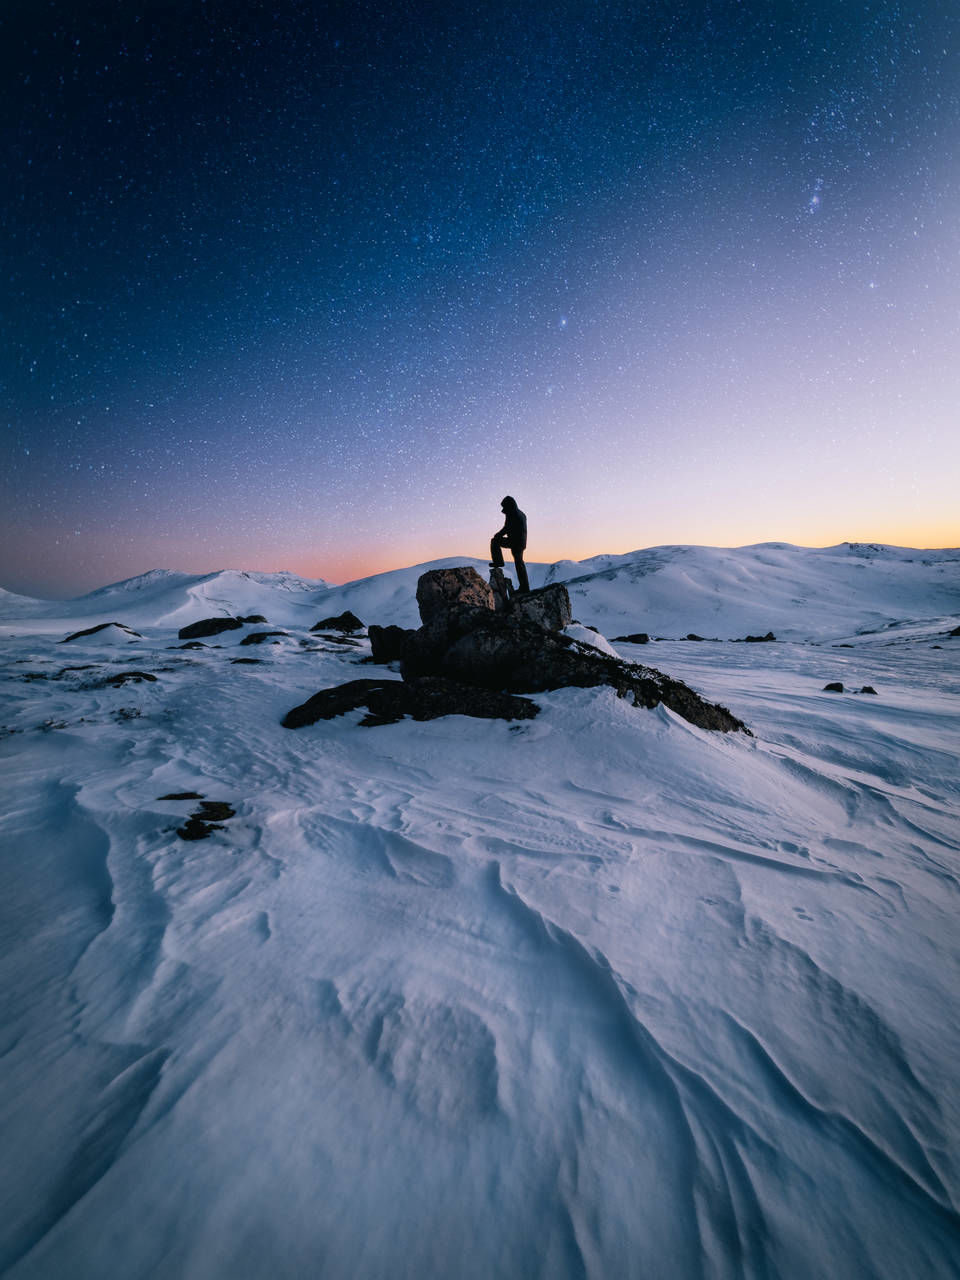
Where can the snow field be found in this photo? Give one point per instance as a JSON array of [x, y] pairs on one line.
[[596, 994]]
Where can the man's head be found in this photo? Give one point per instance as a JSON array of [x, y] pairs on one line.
[[508, 504]]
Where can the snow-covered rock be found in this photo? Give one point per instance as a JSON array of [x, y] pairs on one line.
[[592, 639]]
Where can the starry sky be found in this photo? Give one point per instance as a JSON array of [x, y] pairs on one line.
[[313, 285]]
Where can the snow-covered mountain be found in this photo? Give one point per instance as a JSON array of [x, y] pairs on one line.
[[799, 593], [165, 598], [796, 592], [597, 994]]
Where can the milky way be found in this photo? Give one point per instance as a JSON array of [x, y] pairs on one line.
[[314, 285]]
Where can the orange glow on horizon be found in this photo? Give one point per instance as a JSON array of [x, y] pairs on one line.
[[340, 569]]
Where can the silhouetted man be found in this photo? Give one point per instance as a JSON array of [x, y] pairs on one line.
[[512, 535]]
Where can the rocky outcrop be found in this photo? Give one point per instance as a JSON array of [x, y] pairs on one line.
[[92, 631], [443, 591], [425, 698], [469, 655], [835, 686], [258, 637], [387, 643], [767, 639], [638, 637], [502, 588], [346, 621], [548, 608], [128, 677], [208, 627], [252, 618]]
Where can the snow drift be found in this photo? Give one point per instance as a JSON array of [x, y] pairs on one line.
[[594, 994]]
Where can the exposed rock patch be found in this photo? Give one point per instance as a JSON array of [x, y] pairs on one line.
[[92, 631], [128, 677], [423, 698], [835, 686], [345, 621], [208, 627], [387, 643], [344, 641], [258, 637], [767, 639], [638, 637], [206, 819], [252, 618]]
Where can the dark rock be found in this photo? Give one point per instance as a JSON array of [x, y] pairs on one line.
[[693, 636], [252, 618], [194, 829], [502, 588], [522, 658], [760, 639], [548, 607], [336, 701], [467, 658], [342, 622], [441, 590], [205, 820], [246, 662], [215, 811], [258, 637], [954, 632], [208, 627], [638, 637], [125, 677], [92, 631], [192, 644], [867, 688], [936, 646], [842, 646], [424, 698], [342, 640], [834, 687], [182, 795]]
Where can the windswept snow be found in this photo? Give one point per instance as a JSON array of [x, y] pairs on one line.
[[598, 994]]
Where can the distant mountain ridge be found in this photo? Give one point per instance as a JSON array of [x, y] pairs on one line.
[[801, 593]]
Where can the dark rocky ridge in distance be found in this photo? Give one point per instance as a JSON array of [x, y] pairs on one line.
[[92, 631], [467, 641], [208, 627]]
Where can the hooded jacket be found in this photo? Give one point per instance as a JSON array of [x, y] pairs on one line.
[[516, 524]]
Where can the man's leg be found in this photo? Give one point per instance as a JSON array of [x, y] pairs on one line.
[[523, 582], [496, 552]]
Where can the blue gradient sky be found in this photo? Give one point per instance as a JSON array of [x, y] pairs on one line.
[[312, 286]]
